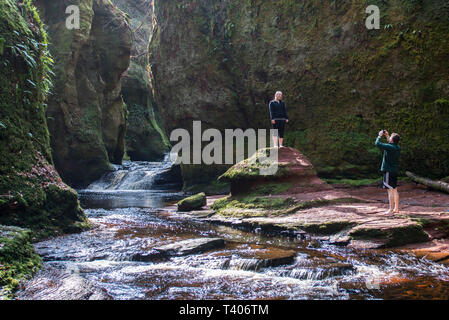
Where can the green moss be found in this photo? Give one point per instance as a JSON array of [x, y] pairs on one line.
[[397, 236], [18, 260], [31, 191], [326, 228], [272, 188], [354, 182], [339, 90], [212, 188], [194, 202], [251, 206], [250, 169]]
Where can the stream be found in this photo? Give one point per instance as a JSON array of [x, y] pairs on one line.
[[132, 214]]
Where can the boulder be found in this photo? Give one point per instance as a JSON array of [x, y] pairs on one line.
[[193, 203], [191, 246], [293, 169]]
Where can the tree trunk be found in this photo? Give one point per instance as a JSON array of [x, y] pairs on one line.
[[437, 185]]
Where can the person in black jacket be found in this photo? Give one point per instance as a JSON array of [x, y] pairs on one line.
[[279, 118]]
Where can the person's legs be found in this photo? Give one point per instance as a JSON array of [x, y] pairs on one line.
[[390, 201], [396, 200], [281, 133], [386, 185], [276, 136]]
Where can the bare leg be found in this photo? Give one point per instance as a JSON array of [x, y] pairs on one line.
[[396, 200], [281, 142], [390, 201], [275, 141]]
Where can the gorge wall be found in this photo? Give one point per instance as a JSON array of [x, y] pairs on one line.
[[145, 138], [31, 192], [221, 62], [86, 113]]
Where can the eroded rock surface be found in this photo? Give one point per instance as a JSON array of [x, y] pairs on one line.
[[86, 113], [191, 246]]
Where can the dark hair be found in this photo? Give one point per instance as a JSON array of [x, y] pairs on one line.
[[395, 138]]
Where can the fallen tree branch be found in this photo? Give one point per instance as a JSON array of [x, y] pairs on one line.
[[437, 185]]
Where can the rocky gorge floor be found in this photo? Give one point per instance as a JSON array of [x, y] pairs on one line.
[[353, 217], [296, 202]]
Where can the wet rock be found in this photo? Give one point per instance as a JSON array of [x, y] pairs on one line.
[[192, 203], [203, 214], [259, 259], [151, 256], [56, 283], [395, 232], [171, 176], [368, 244], [340, 239], [191, 246]]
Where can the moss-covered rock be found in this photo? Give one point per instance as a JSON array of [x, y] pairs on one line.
[[342, 83], [86, 113], [18, 260], [394, 234], [192, 203], [287, 168], [31, 192]]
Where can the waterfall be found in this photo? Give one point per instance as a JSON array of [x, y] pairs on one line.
[[138, 175]]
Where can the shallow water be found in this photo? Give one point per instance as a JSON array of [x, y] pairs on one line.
[[130, 223]]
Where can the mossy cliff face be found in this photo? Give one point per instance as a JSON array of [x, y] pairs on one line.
[[145, 137], [31, 191], [342, 83], [86, 113]]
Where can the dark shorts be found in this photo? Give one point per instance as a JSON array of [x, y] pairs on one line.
[[390, 180], [280, 126]]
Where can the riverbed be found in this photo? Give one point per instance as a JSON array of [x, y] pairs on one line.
[[109, 260]]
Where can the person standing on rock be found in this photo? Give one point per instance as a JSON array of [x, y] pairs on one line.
[[390, 167], [279, 118]]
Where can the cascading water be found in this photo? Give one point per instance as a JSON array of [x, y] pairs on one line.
[[139, 175], [131, 219]]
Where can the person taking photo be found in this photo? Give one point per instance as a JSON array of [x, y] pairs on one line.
[[390, 167]]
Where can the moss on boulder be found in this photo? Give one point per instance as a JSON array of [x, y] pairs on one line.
[[287, 167], [192, 203], [18, 260], [401, 233]]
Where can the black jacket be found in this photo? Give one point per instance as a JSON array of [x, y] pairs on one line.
[[277, 110]]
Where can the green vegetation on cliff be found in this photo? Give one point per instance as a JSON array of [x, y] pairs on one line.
[[31, 191], [342, 83]]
